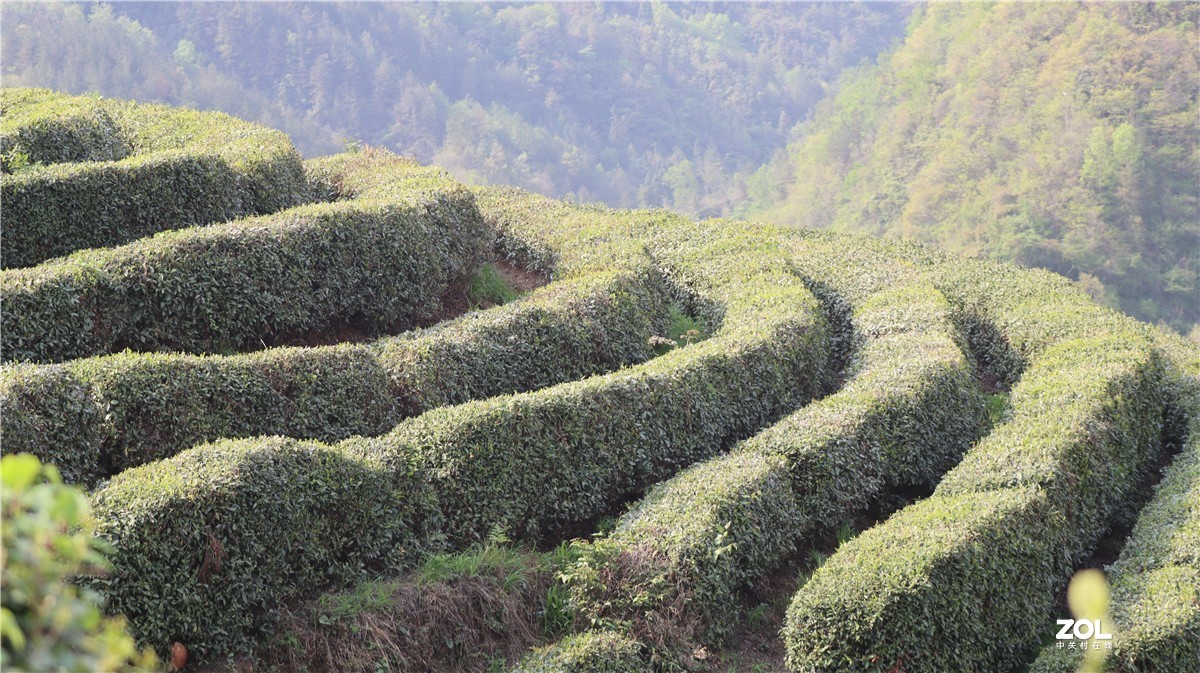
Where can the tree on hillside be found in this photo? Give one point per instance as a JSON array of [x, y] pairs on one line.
[[1062, 136]]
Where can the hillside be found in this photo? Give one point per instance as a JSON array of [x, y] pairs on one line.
[[1055, 135], [318, 431], [631, 104]]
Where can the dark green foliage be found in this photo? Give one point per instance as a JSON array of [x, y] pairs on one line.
[[54, 210], [318, 393], [49, 128], [145, 169], [1092, 416], [1055, 660], [947, 570], [669, 575], [542, 462], [97, 416], [592, 652], [566, 331], [536, 463], [1156, 581], [672, 571], [1005, 526], [381, 260], [1087, 455], [488, 288], [48, 412], [208, 541], [157, 405], [533, 462], [143, 407]]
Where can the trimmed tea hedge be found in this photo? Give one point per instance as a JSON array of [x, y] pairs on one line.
[[536, 463], [47, 407], [570, 469], [97, 416], [208, 542], [1011, 315], [1085, 424], [593, 652], [568, 330], [135, 170], [136, 408], [1002, 530], [907, 594], [561, 239], [676, 563], [669, 575], [546, 462], [382, 258], [39, 126], [1155, 583]]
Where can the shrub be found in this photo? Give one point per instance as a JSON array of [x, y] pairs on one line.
[[134, 170], [548, 461], [97, 416], [207, 542], [50, 413], [49, 128], [383, 259], [537, 463], [904, 595], [1054, 660], [672, 571], [1156, 580], [1003, 528], [219, 506], [566, 331], [562, 239], [46, 622]]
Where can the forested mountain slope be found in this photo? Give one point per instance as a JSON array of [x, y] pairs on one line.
[[1055, 135], [628, 103]]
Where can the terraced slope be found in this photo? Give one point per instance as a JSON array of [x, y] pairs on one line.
[[840, 375]]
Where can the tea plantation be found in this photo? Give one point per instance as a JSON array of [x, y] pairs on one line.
[[254, 366]]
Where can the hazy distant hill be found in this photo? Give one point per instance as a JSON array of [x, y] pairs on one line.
[[629, 103], [1057, 135]]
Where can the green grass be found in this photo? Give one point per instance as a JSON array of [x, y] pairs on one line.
[[817, 558], [513, 565], [845, 532], [683, 330], [557, 617], [756, 617], [488, 288], [997, 407], [364, 597]]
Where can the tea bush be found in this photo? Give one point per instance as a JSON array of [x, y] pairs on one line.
[[106, 172]]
